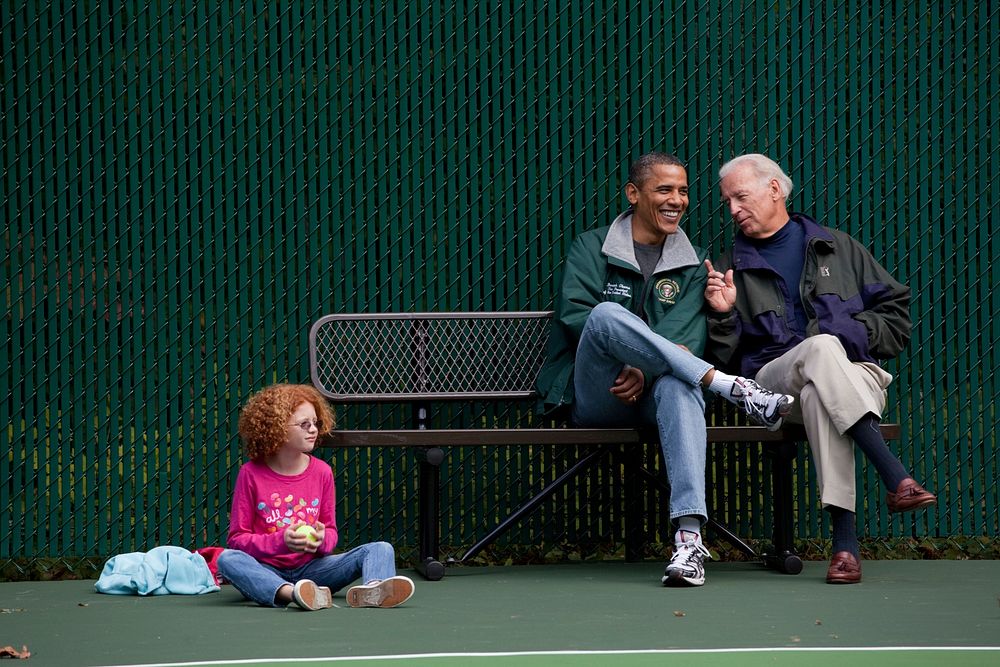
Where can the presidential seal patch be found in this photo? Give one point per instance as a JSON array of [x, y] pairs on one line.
[[667, 290]]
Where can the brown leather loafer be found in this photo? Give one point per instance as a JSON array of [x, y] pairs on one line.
[[844, 569], [909, 496]]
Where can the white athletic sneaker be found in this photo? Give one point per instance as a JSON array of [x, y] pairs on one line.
[[686, 566], [390, 592], [311, 597], [762, 405]]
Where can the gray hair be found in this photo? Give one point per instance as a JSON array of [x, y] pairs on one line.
[[764, 167]]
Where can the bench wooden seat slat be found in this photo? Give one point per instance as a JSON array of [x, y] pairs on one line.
[[553, 436]]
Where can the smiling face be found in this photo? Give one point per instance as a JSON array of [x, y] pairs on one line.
[[756, 204], [302, 440], [659, 202]]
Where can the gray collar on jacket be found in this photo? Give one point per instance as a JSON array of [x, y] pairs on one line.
[[677, 249]]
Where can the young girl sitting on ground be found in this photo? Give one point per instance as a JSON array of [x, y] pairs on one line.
[[283, 525]]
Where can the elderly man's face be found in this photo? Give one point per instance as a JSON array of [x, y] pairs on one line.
[[659, 203], [757, 207]]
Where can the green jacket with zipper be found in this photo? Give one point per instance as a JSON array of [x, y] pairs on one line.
[[601, 266]]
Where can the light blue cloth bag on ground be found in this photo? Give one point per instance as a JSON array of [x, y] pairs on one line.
[[161, 571]]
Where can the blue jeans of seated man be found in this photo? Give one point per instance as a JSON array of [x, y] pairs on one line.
[[612, 338], [260, 582]]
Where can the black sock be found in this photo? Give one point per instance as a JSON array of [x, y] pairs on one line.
[[845, 534], [868, 438]]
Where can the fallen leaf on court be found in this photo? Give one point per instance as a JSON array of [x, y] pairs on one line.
[[678, 614], [82, 604], [819, 622], [11, 652], [11, 611]]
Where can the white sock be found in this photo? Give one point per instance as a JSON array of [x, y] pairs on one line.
[[726, 386], [690, 525]]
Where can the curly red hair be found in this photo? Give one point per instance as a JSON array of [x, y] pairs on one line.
[[263, 424]]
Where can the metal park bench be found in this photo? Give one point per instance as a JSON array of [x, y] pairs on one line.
[[423, 358]]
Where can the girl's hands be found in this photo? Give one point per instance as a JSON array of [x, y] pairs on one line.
[[306, 541]]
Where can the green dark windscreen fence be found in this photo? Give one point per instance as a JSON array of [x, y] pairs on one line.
[[186, 186]]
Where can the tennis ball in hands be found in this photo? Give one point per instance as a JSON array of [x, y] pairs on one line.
[[308, 531]]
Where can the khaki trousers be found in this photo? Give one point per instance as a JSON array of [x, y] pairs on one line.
[[832, 393]]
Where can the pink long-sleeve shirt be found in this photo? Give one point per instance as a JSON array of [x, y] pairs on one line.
[[266, 503]]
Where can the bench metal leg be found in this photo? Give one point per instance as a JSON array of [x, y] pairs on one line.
[[536, 500], [783, 557], [635, 526], [429, 499]]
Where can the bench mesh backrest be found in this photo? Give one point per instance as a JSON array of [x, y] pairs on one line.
[[391, 357]]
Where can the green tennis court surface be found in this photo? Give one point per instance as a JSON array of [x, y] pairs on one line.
[[905, 612], [887, 657]]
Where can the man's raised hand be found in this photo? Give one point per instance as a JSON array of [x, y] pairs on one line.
[[720, 290]]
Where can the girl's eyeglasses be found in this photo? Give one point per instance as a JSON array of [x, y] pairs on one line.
[[309, 424]]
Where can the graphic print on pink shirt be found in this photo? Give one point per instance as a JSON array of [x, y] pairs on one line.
[[279, 513]]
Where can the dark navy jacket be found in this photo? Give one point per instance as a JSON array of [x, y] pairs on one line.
[[844, 291]]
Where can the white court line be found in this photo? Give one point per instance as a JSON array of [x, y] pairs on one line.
[[501, 654]]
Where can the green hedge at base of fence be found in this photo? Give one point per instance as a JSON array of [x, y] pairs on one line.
[[906, 548], [926, 548]]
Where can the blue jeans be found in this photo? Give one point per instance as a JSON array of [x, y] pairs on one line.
[[260, 582], [614, 337]]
